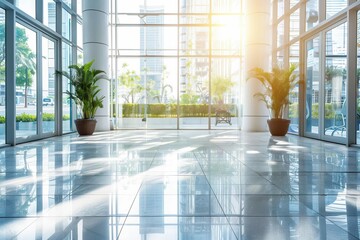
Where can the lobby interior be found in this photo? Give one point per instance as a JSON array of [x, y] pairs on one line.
[[141, 176]]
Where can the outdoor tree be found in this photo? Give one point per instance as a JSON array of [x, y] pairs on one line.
[[219, 86], [162, 94], [131, 81], [25, 60]]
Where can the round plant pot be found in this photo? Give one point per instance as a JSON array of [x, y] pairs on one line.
[[278, 126], [85, 126]]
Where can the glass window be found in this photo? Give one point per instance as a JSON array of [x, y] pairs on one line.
[[335, 81], [142, 6], [50, 14], [28, 6], [312, 86], [280, 34], [295, 24], [312, 13], [194, 40], [294, 95], [26, 87], [67, 104], [280, 8], [224, 84], [79, 7], [334, 6], [66, 24], [79, 34], [154, 40], [163, 78], [194, 92], [226, 6], [48, 85], [226, 35]]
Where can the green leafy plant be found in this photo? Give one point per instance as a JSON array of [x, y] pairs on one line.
[[277, 84], [84, 79], [24, 117]]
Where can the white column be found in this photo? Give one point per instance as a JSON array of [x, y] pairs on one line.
[[96, 45], [257, 54]]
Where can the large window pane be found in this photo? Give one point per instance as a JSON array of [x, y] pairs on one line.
[[160, 81], [194, 41], [280, 9], [79, 35], [226, 35], [280, 34], [312, 86], [225, 85], [50, 14], [26, 87], [226, 6], [194, 92], [162, 73], [48, 85], [294, 95], [312, 13], [334, 6], [66, 24], [295, 24], [2, 76], [335, 81], [67, 104], [79, 7], [147, 40], [137, 6], [28, 6]]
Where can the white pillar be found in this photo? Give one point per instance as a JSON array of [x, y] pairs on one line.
[[257, 54], [96, 45]]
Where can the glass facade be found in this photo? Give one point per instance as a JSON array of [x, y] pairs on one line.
[[179, 53], [38, 91], [323, 34]]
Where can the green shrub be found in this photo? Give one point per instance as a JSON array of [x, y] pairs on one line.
[[2, 119], [24, 117], [160, 110], [48, 117], [66, 117]]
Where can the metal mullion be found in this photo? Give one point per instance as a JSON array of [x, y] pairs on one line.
[[178, 69], [322, 64], [39, 6], [10, 73], [210, 65]]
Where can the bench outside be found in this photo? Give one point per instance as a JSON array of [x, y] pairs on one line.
[[223, 116]]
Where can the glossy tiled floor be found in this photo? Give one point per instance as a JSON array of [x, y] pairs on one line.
[[188, 185]]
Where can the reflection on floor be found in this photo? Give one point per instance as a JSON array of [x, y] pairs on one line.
[[221, 184]]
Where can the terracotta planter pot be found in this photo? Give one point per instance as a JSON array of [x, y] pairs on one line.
[[85, 126], [278, 126]]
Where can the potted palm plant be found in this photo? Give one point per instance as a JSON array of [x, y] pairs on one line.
[[277, 84], [84, 80]]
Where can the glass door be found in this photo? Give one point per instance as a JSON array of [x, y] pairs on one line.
[[48, 86], [35, 84], [26, 81], [312, 94], [326, 80]]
